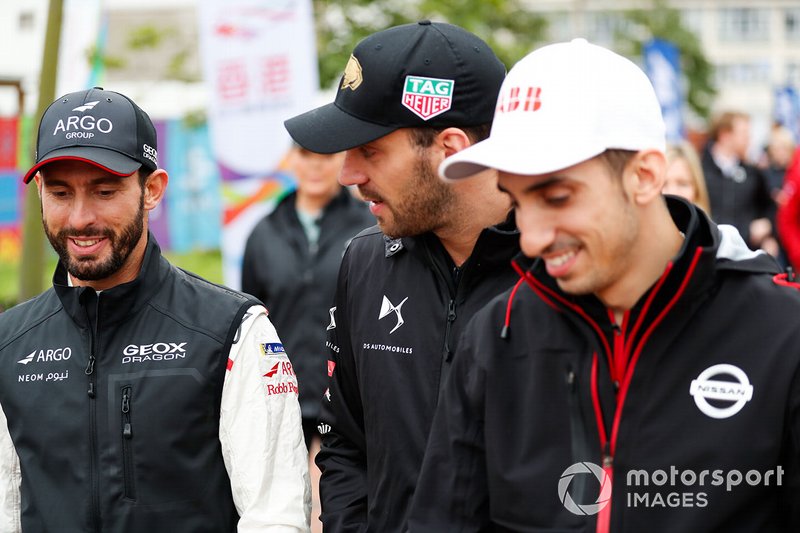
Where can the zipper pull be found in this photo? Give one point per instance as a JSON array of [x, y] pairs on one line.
[[90, 366], [90, 392], [127, 431], [451, 317], [571, 380]]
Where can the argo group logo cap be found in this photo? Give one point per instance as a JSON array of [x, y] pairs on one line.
[[561, 105], [104, 128], [426, 74]]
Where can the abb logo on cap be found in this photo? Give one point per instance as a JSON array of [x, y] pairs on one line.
[[529, 101]]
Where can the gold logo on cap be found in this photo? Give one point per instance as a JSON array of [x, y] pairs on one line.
[[352, 74]]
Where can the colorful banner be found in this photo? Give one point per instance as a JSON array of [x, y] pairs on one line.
[[260, 68], [9, 145], [662, 64], [10, 216], [195, 207]]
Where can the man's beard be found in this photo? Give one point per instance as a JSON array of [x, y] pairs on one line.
[[87, 268], [425, 206]]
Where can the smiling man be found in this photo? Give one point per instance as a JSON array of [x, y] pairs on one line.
[[410, 96], [645, 357], [137, 396]]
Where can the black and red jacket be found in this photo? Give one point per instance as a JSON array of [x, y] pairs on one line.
[[548, 397]]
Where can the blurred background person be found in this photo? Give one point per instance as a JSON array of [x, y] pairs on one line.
[[777, 156], [774, 163], [684, 176], [788, 217], [737, 190], [291, 261]]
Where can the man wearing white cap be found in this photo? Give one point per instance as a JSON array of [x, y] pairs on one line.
[[645, 373]]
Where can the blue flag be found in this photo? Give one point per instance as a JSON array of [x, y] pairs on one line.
[[662, 65]]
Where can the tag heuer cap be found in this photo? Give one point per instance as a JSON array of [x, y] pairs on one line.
[[426, 74], [104, 128]]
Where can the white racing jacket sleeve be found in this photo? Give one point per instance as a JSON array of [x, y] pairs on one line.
[[261, 432], [9, 481]]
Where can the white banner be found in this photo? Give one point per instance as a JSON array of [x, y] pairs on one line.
[[260, 67]]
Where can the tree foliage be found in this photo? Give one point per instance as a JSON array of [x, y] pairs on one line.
[[664, 22], [511, 29]]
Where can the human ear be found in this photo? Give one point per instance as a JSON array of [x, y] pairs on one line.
[[453, 140], [155, 186], [646, 175]]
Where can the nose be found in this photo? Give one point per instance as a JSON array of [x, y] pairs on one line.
[[82, 213], [537, 233], [352, 173]]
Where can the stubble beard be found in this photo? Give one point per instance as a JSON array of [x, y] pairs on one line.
[[424, 207]]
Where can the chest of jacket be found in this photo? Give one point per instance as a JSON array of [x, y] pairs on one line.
[[118, 422], [706, 402]]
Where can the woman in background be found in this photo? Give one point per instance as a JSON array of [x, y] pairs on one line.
[[685, 175]]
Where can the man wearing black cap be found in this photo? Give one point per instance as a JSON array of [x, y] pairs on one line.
[[137, 396], [410, 96]]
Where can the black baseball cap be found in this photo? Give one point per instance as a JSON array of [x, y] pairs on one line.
[[426, 74], [104, 128]]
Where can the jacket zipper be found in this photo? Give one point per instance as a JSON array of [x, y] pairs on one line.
[[447, 352], [89, 371], [127, 445], [622, 383], [580, 442]]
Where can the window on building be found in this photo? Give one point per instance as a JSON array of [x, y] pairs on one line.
[[757, 72], [746, 24], [602, 26], [791, 21], [26, 20], [693, 19]]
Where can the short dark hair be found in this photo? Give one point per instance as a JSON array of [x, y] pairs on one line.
[[616, 160], [424, 137], [143, 174]]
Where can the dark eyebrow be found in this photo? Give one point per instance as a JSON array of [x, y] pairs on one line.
[[549, 182], [552, 180]]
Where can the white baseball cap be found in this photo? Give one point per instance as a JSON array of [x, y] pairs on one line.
[[561, 105]]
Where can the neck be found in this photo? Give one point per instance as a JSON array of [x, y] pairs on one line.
[[479, 205], [723, 153], [313, 203], [655, 250]]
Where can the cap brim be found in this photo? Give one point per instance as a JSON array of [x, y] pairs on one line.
[[108, 160], [328, 129], [512, 157]]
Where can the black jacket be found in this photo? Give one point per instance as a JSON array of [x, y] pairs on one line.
[[399, 311], [740, 199], [297, 282], [113, 400], [532, 416]]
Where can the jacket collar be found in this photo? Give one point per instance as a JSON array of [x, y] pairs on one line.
[[117, 303], [495, 244]]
